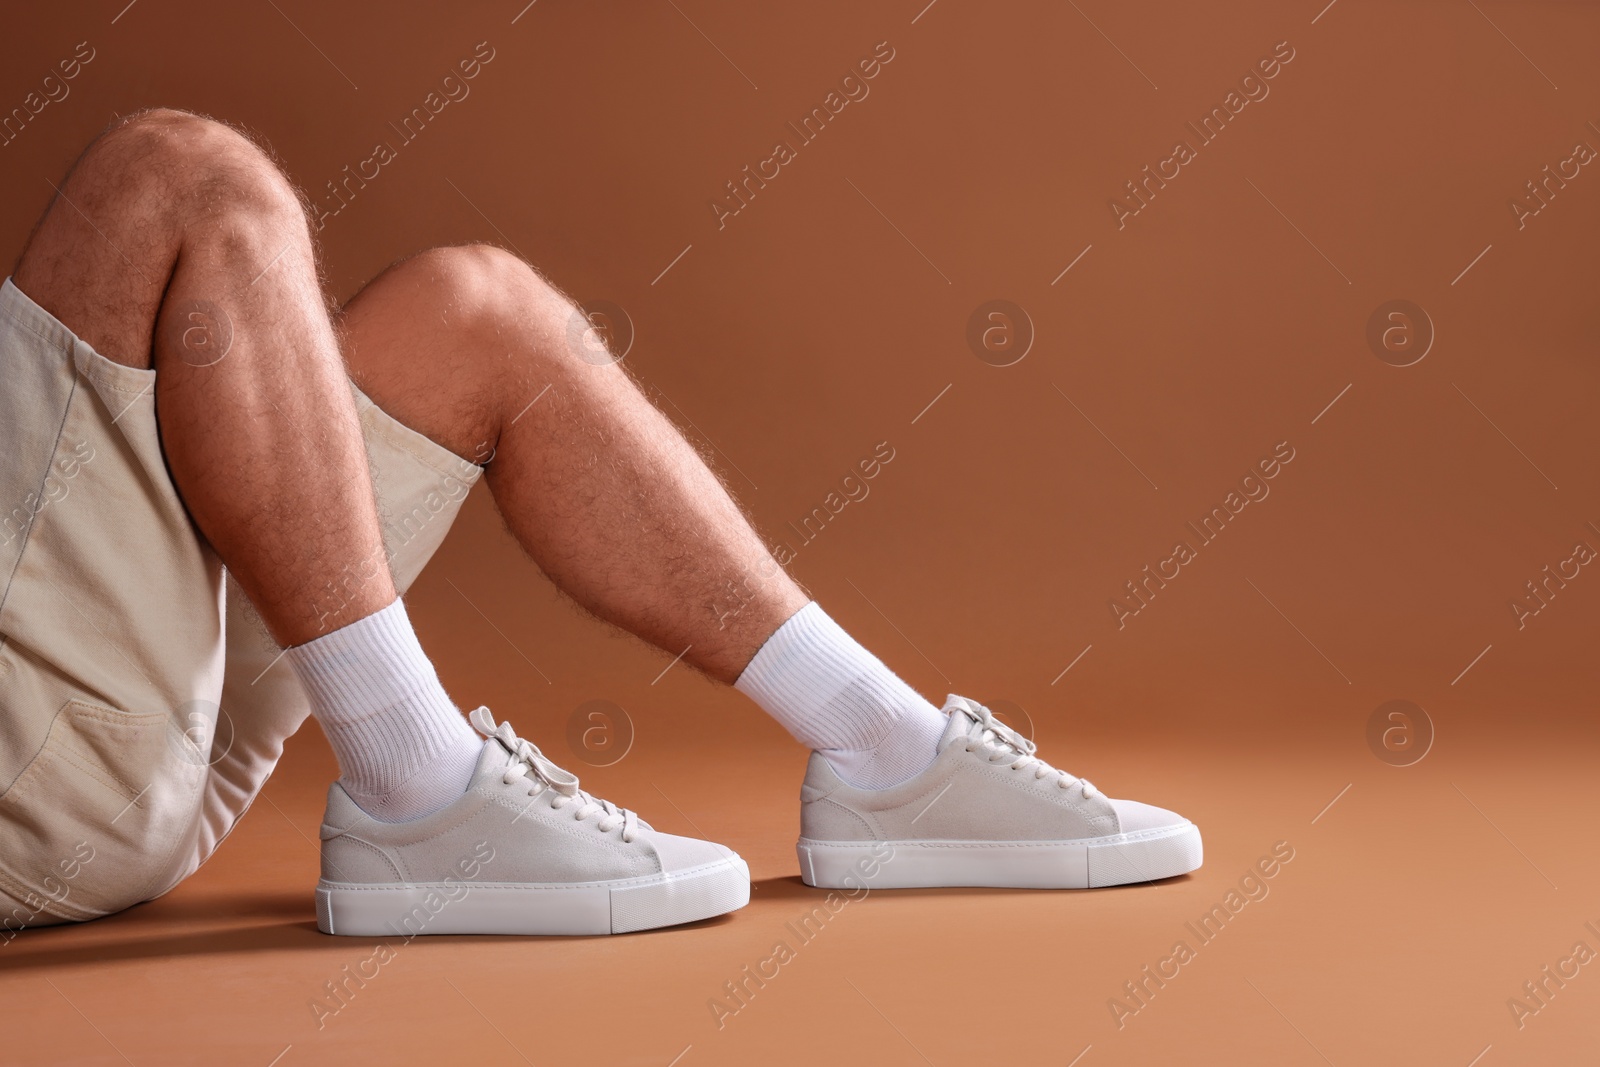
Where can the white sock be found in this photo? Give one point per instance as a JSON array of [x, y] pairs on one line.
[[840, 699], [404, 750]]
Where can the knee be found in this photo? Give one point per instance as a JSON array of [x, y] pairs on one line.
[[483, 284], [166, 158], [494, 294]]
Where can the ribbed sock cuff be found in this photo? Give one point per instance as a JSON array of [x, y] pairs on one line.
[[379, 700], [827, 690]]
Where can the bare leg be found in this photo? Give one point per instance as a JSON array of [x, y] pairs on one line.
[[176, 243], [597, 485]]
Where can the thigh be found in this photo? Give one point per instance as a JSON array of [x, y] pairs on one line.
[[100, 258]]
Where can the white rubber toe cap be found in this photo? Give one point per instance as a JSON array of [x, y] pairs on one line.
[[686, 853], [1134, 817]]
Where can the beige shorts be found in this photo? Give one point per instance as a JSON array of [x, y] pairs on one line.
[[142, 702]]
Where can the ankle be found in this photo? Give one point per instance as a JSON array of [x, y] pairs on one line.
[[434, 786], [907, 750]]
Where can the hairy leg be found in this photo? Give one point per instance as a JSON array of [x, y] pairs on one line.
[[175, 243], [471, 347]]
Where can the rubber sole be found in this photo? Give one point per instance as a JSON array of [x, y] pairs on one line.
[[619, 906], [1089, 863]]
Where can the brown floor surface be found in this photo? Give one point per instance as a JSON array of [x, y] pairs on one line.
[[1413, 908]]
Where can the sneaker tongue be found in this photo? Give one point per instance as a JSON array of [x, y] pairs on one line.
[[494, 758], [967, 723], [962, 722]]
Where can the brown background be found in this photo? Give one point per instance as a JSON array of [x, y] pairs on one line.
[[821, 320]]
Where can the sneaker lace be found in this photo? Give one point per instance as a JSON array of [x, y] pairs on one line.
[[526, 759], [1000, 742]]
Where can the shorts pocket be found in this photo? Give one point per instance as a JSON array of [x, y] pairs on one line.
[[91, 824]]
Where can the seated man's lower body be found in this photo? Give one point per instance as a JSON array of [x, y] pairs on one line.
[[207, 529]]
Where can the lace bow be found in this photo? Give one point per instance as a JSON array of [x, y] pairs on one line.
[[526, 758], [995, 734]]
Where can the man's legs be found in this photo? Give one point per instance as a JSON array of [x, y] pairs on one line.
[[471, 347]]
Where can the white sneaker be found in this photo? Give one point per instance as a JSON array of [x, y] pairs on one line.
[[986, 813], [524, 851]]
